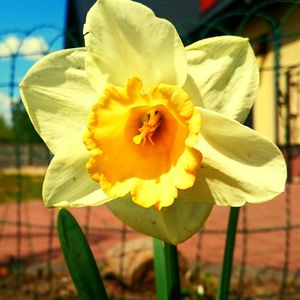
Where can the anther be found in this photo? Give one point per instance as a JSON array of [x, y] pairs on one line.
[[151, 122]]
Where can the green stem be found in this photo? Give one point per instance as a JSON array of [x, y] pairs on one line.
[[224, 286], [167, 277]]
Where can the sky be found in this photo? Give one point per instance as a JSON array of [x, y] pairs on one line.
[[27, 27]]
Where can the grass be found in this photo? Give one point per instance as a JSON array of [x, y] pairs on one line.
[[24, 187]]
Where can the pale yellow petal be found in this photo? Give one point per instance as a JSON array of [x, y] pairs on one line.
[[125, 39], [58, 96], [67, 183], [225, 72], [173, 224], [238, 166]]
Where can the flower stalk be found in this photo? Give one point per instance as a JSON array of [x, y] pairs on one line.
[[223, 290], [167, 276]]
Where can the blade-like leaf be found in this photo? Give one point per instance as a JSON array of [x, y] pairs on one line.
[[79, 258]]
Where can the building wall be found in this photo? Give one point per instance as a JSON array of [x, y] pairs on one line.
[[266, 112], [265, 109], [270, 118], [280, 121]]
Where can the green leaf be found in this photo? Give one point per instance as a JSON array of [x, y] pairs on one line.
[[79, 258]]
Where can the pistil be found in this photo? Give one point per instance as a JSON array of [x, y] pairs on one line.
[[151, 122]]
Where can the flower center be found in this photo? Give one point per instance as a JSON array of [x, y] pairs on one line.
[[151, 122], [123, 128]]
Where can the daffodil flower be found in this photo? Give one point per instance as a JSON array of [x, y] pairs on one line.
[[149, 127]]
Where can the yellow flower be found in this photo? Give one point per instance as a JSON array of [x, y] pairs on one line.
[[149, 127]]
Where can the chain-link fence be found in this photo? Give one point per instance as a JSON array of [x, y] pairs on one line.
[[267, 250]]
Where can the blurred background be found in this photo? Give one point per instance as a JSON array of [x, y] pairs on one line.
[[267, 250]]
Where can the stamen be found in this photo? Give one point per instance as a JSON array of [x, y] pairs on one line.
[[151, 121]]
